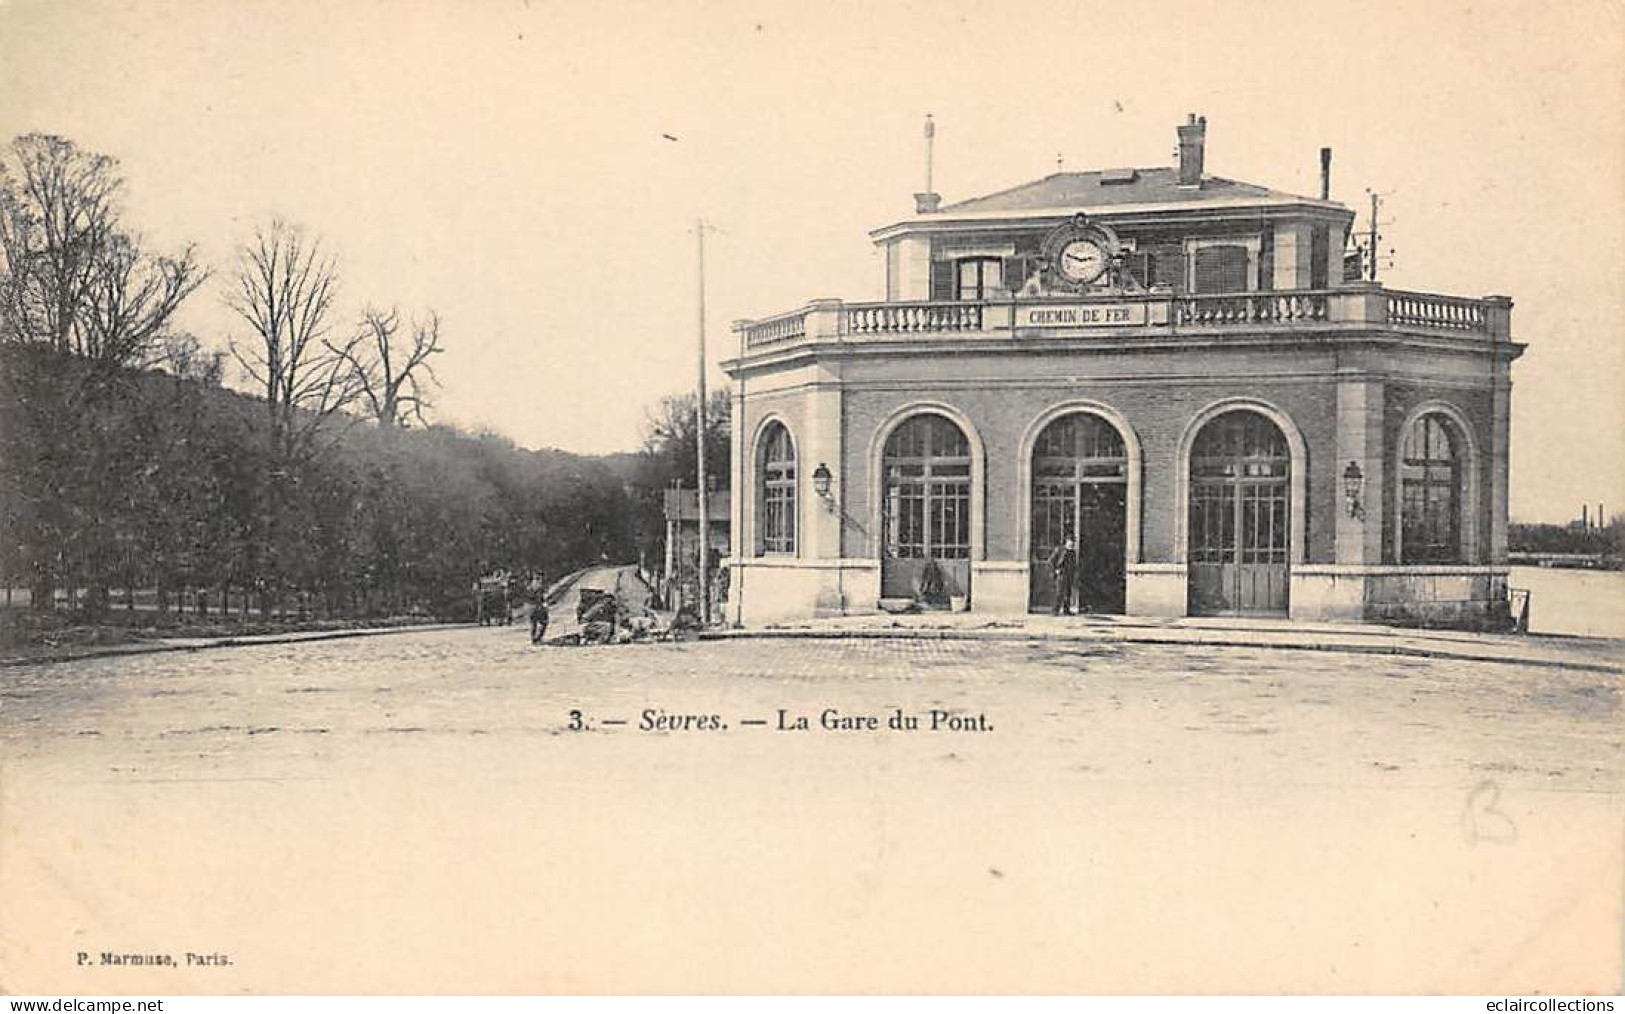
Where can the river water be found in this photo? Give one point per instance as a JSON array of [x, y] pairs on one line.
[[1589, 602]]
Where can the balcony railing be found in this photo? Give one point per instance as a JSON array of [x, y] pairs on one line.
[[1447, 313], [909, 318], [1361, 306], [777, 329], [1251, 308]]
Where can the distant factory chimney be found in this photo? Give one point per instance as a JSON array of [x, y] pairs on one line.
[[1325, 174], [1192, 139], [928, 200]]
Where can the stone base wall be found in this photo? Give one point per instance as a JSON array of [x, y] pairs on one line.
[[1462, 597], [1156, 589], [771, 591], [999, 587]]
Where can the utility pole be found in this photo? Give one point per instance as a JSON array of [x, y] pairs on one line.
[[1371, 241], [1373, 237], [699, 437]]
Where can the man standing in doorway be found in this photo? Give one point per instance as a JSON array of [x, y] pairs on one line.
[[1063, 564]]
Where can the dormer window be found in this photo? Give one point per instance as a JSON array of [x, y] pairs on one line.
[[977, 278]]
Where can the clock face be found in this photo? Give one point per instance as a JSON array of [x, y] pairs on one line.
[[1083, 260]]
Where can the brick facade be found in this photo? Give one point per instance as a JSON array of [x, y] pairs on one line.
[[1339, 372]]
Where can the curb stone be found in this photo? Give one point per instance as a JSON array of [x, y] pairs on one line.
[[1206, 639]]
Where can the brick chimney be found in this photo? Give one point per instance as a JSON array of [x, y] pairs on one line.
[[1192, 139]]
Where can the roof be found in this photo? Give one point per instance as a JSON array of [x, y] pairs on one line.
[[1159, 185]]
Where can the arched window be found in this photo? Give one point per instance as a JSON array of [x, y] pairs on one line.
[[927, 490], [777, 494], [1430, 478]]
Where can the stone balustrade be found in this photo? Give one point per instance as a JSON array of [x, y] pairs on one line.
[[1448, 313], [1357, 304]]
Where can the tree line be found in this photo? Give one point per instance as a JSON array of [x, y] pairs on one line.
[[126, 465], [1604, 541]]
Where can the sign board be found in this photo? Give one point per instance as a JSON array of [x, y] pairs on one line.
[[1082, 315]]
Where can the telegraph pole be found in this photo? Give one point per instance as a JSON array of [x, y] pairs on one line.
[[1371, 243], [699, 438]]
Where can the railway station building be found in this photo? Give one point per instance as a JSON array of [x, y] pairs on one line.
[[1175, 369]]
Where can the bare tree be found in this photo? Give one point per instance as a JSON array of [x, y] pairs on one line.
[[184, 356], [393, 374], [73, 280], [132, 298], [284, 289]]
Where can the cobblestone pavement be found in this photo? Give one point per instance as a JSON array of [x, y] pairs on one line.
[[453, 810]]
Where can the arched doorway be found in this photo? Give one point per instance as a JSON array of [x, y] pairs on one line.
[[1080, 488], [1240, 471], [926, 511]]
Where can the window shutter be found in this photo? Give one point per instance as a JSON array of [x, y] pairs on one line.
[[1318, 268], [942, 280], [1139, 266], [1168, 267], [1015, 273], [1221, 269]]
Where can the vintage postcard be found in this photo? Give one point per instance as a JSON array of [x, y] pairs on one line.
[[766, 498]]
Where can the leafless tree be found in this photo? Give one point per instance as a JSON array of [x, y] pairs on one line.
[[284, 289], [132, 298], [72, 279], [392, 373], [184, 356]]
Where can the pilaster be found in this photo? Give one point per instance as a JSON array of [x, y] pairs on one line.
[[914, 261], [1359, 442], [1293, 255], [821, 445], [1500, 458]]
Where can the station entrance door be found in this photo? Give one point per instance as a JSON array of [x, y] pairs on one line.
[[1080, 488], [1238, 548]]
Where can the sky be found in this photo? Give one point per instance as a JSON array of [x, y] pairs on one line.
[[504, 163]]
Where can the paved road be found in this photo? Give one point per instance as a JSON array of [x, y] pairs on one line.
[[417, 812], [623, 581]]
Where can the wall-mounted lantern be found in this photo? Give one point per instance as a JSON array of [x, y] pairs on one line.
[[1354, 490], [821, 479]]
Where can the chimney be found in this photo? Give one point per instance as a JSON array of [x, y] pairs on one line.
[[929, 200], [1192, 138], [1325, 174]]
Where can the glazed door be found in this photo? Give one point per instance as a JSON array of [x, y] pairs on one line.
[[1101, 514], [1055, 514], [1080, 476], [1239, 529], [926, 516], [1095, 512]]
